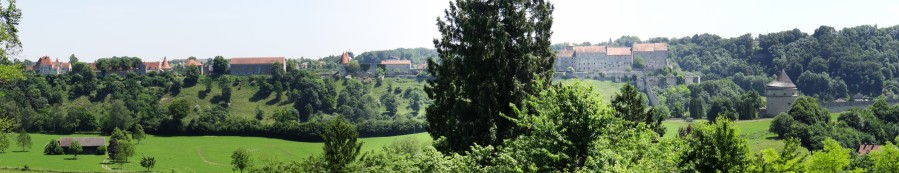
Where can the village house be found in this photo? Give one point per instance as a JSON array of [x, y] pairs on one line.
[[88, 144], [395, 66], [255, 66], [45, 66]]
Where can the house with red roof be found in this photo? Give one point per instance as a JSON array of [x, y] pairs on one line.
[[45, 66], [255, 65]]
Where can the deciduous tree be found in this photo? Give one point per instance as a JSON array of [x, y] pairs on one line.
[[340, 146], [240, 159], [75, 149]]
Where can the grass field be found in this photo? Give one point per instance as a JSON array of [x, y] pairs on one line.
[[183, 153], [605, 89], [244, 104], [754, 131]]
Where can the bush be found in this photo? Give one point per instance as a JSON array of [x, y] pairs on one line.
[[101, 150], [53, 148], [781, 125]]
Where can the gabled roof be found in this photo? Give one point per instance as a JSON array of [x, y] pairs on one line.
[[345, 58], [44, 60], [151, 65], [191, 62], [84, 141], [589, 49], [565, 54], [782, 81], [396, 62], [867, 148], [618, 51], [258, 60], [165, 63], [649, 47]]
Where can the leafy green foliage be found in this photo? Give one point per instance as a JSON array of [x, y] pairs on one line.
[[631, 105], [4, 142], [138, 133], [790, 159], [53, 148], [721, 107], [807, 110], [341, 148], [782, 125], [148, 162], [23, 140], [75, 148], [219, 65], [834, 158], [715, 147], [480, 56], [240, 159]]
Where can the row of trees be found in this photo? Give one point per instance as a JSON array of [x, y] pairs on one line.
[[811, 123]]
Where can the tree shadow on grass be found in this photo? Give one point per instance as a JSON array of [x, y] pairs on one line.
[[202, 94], [69, 158], [19, 151], [273, 101], [259, 96]]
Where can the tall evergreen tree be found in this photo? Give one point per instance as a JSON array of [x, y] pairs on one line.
[[491, 55], [629, 104], [340, 146]]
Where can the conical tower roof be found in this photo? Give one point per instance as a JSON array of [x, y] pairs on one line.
[[165, 63], [345, 58], [782, 81]]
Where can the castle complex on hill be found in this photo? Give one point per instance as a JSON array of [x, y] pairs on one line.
[[612, 60]]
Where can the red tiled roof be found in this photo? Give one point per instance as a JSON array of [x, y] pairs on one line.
[[85, 142], [396, 62], [867, 148], [44, 60], [191, 62], [345, 58], [649, 47], [258, 60], [152, 65], [165, 63], [589, 49], [65, 65], [619, 51], [565, 54]]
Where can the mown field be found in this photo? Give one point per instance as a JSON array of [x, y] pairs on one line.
[[183, 153]]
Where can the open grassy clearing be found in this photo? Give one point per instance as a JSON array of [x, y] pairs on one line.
[[184, 153], [605, 89]]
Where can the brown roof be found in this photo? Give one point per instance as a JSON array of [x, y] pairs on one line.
[[152, 65], [84, 141], [589, 49], [345, 58], [565, 54], [165, 63], [867, 148], [258, 60], [782, 81], [65, 65], [649, 47], [396, 62], [619, 51], [44, 60], [191, 62]]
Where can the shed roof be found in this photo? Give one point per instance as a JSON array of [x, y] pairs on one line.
[[258, 60], [84, 141], [782, 81]]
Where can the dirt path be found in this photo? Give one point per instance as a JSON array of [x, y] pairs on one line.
[[200, 153]]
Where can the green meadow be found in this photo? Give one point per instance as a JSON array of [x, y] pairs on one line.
[[182, 153]]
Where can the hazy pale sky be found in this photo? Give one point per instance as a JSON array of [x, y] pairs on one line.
[[93, 29]]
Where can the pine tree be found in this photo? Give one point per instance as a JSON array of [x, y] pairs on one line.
[[340, 147], [486, 64]]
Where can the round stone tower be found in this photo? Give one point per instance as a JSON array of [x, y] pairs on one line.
[[781, 93]]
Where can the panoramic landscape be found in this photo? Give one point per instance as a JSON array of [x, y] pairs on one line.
[[448, 86]]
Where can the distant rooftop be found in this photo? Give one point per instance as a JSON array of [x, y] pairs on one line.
[[782, 81]]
